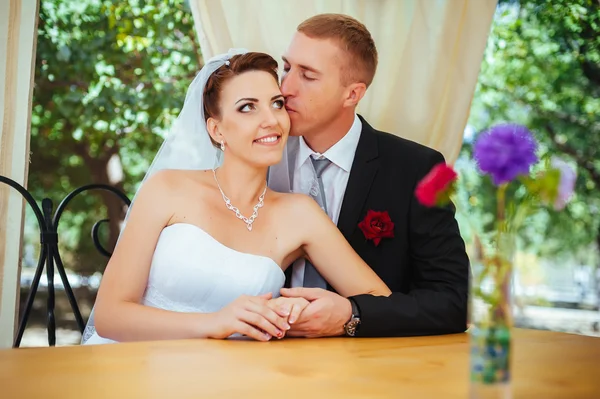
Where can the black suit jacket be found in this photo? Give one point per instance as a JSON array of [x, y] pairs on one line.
[[425, 264]]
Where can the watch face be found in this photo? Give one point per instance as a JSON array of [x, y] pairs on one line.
[[351, 326]]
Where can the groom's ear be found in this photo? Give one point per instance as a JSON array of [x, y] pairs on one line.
[[354, 93]]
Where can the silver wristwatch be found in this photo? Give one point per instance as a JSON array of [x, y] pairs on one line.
[[352, 325]]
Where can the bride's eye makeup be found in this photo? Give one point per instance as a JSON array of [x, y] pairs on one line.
[[246, 107], [277, 102]]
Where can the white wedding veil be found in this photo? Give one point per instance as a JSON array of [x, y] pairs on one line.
[[187, 145]]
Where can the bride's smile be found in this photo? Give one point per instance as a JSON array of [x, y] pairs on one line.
[[269, 140]]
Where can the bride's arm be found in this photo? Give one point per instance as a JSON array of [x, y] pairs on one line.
[[332, 255], [119, 314]]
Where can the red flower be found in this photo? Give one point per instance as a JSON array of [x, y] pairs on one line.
[[436, 186], [377, 225]]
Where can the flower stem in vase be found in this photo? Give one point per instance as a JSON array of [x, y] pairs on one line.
[[490, 333]]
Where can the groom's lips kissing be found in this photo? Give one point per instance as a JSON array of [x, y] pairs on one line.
[[269, 140]]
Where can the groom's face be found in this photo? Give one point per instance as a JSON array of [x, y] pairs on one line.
[[312, 83]]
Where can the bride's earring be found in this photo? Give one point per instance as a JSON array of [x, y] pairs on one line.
[[222, 146]]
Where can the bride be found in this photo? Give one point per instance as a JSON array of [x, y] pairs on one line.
[[206, 242]]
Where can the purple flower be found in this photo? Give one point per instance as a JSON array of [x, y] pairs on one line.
[[505, 151], [566, 185]]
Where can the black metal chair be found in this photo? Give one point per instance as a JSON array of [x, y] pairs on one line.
[[50, 256]]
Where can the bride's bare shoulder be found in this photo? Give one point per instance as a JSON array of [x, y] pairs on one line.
[[293, 205], [175, 179]]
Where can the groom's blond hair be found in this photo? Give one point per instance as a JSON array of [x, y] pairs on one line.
[[352, 37]]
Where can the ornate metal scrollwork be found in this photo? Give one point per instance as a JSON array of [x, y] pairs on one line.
[[50, 256]]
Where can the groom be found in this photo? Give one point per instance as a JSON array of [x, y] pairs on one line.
[[365, 180]]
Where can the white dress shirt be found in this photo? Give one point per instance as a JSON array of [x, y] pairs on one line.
[[335, 179]]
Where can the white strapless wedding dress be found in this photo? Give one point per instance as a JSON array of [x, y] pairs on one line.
[[193, 272]]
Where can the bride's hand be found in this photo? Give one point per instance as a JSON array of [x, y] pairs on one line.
[[291, 308], [251, 316]]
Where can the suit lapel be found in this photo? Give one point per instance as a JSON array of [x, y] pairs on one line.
[[364, 169]]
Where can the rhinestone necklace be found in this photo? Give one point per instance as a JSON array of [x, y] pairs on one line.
[[229, 206]]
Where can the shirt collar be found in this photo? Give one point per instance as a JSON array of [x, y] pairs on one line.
[[341, 153]]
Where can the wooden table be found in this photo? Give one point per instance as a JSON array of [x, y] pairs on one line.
[[547, 365]]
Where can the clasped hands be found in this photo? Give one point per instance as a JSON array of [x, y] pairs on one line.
[[298, 312]]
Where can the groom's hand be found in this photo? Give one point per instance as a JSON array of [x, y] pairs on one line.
[[325, 316]]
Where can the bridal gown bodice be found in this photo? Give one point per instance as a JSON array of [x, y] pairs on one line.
[[193, 272]]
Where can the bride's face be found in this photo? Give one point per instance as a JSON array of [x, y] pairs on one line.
[[254, 123]]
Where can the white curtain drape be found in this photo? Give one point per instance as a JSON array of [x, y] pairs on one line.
[[430, 53], [18, 24]]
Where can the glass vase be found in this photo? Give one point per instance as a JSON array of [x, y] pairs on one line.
[[491, 323]]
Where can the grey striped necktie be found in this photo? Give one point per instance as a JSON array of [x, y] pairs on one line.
[[312, 278]]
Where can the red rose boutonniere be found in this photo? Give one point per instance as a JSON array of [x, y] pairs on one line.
[[377, 225]]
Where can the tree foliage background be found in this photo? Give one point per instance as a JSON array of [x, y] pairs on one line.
[[110, 76], [541, 68]]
